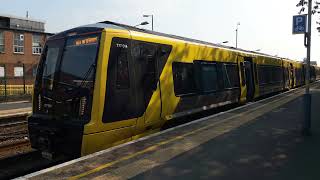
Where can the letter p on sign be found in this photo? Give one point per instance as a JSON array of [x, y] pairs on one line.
[[299, 24]]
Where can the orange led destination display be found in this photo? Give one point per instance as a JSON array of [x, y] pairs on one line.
[[90, 40]]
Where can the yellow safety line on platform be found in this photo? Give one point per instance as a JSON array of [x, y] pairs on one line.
[[154, 147]]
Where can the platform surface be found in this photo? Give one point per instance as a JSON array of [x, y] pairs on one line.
[[18, 108], [261, 140]]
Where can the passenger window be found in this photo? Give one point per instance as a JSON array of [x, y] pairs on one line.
[[255, 72], [122, 77], [206, 76], [243, 78], [150, 76], [232, 75], [183, 78]]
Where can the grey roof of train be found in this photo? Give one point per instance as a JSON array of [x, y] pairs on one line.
[[109, 24], [123, 26]]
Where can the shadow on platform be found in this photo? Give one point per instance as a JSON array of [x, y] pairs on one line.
[[269, 148]]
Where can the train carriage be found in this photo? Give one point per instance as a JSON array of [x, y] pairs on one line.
[[105, 84]]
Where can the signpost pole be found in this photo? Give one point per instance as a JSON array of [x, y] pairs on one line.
[[307, 96]]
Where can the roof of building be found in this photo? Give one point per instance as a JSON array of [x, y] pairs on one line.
[[22, 18], [11, 22]]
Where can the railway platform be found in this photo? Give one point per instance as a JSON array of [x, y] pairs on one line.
[[258, 140], [15, 109]]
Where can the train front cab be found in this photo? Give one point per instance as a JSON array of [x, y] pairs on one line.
[[63, 91], [110, 110]]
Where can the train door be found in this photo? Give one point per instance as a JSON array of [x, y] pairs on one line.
[[291, 76], [149, 62], [249, 72], [242, 79]]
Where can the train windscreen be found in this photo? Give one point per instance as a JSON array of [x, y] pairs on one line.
[[78, 61], [68, 73]]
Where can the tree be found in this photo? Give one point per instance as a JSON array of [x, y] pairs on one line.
[[303, 4]]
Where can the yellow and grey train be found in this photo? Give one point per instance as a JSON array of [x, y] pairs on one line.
[[104, 84]]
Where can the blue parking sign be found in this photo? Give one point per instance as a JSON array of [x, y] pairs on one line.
[[299, 24]]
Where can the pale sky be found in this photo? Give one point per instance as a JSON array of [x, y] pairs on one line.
[[265, 24]]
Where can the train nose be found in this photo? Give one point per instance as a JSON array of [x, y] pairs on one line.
[[55, 137]]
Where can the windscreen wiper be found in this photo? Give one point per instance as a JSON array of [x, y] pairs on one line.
[[83, 81]]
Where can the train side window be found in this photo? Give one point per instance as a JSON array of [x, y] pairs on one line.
[[206, 76], [243, 78], [279, 74], [122, 77], [262, 75], [269, 74], [255, 72], [183, 78], [230, 76]]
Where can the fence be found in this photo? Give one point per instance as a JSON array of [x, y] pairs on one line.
[[16, 88]]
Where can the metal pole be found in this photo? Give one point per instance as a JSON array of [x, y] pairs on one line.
[[237, 34], [5, 82], [24, 80], [307, 95], [152, 21], [237, 37]]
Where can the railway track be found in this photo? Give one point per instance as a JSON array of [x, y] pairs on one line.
[[9, 145], [12, 124], [13, 127]]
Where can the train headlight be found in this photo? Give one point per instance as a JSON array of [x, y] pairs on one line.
[[82, 106]]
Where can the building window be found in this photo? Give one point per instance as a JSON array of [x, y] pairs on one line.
[[2, 72], [18, 71], [18, 44], [1, 41], [36, 44]]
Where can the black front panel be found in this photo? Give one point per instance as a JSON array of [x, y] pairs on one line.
[[134, 69], [59, 137]]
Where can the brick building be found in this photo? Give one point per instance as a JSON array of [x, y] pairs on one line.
[[21, 41]]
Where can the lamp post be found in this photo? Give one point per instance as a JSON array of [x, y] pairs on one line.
[[149, 15], [238, 24], [142, 24]]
